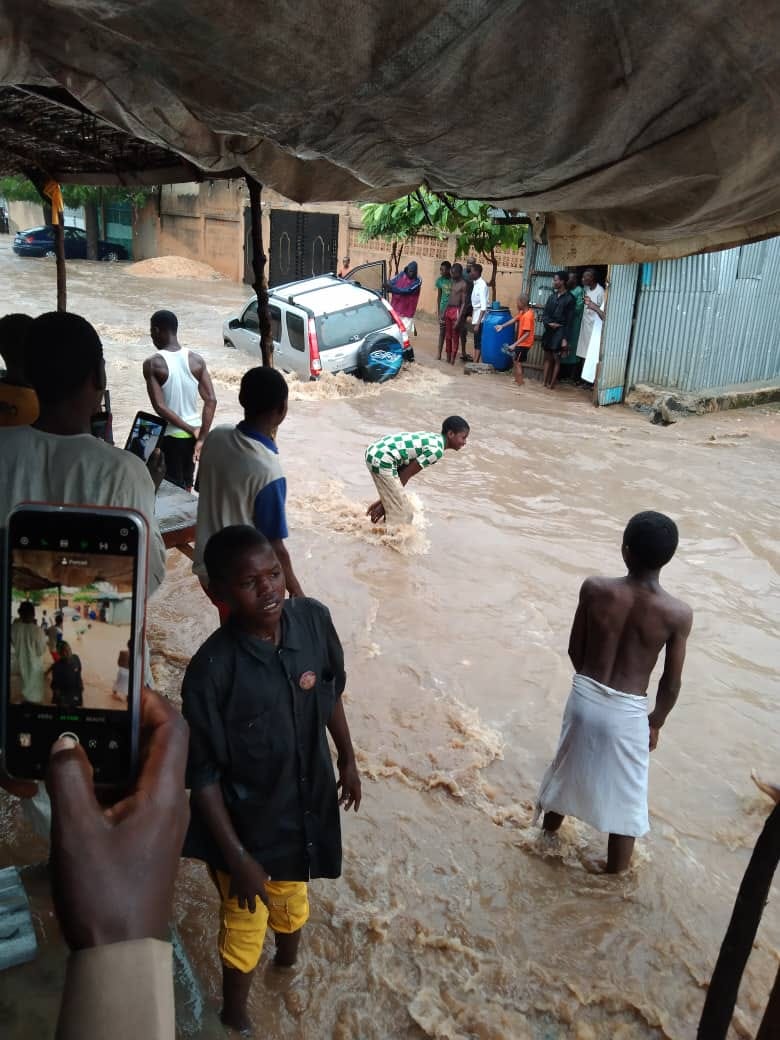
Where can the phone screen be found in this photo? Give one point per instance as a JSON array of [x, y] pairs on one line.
[[145, 434], [75, 643]]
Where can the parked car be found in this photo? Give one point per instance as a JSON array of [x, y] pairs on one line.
[[39, 241], [319, 325]]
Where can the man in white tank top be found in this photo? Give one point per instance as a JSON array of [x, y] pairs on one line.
[[181, 392]]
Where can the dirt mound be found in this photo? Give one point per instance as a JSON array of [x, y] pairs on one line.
[[174, 267]]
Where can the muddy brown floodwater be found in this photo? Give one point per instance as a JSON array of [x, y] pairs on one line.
[[452, 919]]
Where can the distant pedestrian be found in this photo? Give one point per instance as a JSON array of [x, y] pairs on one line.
[[525, 320], [178, 380], [459, 299], [592, 320], [346, 267], [469, 277], [405, 289], [443, 288], [557, 318], [479, 306], [574, 287]]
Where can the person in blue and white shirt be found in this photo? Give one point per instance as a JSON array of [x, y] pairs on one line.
[[240, 476]]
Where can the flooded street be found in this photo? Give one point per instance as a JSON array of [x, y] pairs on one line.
[[453, 919]]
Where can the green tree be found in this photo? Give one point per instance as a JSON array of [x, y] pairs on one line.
[[424, 212]]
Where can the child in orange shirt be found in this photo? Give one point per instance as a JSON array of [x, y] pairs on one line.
[[526, 329]]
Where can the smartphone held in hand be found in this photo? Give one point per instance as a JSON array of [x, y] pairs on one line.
[[73, 615]]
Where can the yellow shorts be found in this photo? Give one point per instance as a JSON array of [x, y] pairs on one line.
[[242, 933]]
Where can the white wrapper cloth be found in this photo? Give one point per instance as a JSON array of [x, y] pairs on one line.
[[599, 773]]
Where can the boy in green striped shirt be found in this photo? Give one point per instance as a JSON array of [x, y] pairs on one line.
[[394, 459]]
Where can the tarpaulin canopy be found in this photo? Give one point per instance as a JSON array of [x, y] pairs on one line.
[[645, 129]]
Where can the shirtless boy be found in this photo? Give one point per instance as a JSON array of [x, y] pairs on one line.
[[455, 314], [599, 773]]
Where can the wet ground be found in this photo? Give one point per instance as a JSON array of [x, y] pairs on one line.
[[453, 920]]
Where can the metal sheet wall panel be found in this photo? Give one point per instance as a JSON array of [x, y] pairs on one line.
[[616, 336], [710, 322], [537, 282]]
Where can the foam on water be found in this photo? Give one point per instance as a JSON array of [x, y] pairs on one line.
[[412, 379], [328, 508]]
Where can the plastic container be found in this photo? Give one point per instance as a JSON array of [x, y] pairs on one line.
[[493, 342]]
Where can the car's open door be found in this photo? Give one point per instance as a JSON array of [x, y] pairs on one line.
[[370, 276]]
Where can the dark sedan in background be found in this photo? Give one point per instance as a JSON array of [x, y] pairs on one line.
[[39, 241]]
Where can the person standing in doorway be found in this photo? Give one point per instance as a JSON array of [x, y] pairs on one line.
[[557, 319], [592, 317], [574, 287], [176, 378], [479, 306], [443, 288]]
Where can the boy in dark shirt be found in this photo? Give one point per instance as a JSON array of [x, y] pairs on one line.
[[259, 696]]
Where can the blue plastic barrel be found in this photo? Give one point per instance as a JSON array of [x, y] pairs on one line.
[[493, 342]]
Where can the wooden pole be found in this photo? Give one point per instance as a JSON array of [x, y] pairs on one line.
[[258, 268], [770, 1026], [738, 942], [39, 179], [59, 250]]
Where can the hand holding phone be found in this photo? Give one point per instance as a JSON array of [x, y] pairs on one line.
[[86, 568], [113, 870]]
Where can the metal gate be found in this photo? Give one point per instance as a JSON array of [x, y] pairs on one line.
[[302, 245]]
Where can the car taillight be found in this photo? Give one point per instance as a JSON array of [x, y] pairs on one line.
[[29, 238], [315, 365], [401, 326]]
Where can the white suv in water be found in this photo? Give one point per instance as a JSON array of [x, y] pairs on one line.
[[318, 325]]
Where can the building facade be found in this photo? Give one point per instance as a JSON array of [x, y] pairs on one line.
[[701, 324]]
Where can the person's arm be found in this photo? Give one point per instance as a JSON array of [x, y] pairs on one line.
[[408, 471], [113, 873], [349, 779], [157, 400], [438, 299], [592, 306], [247, 877], [579, 626], [291, 582], [270, 519], [206, 761], [209, 398], [671, 680], [567, 323]]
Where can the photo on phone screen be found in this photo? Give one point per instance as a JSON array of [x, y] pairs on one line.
[[145, 434], [74, 607]]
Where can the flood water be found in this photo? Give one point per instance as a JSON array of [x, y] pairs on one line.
[[453, 920]]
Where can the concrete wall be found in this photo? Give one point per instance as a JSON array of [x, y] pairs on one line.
[[23, 215], [202, 222], [206, 222]]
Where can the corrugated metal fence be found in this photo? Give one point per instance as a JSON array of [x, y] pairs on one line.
[[708, 322], [616, 337]]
